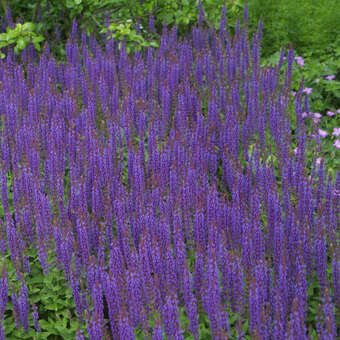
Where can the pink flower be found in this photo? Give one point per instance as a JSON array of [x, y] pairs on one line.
[[295, 150], [316, 121], [304, 114], [293, 93], [322, 133], [338, 111], [330, 77], [317, 115], [337, 144], [336, 132], [300, 61], [307, 90], [316, 80], [318, 160], [330, 113]]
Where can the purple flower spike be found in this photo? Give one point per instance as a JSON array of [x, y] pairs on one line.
[[36, 318], [23, 305], [79, 335]]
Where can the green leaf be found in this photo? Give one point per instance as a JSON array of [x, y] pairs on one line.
[[28, 26], [154, 44], [69, 4], [45, 325], [3, 37], [13, 34], [245, 326], [38, 39]]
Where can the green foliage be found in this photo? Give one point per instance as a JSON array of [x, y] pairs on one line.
[[20, 37], [125, 32], [121, 17], [325, 97], [310, 25], [53, 298]]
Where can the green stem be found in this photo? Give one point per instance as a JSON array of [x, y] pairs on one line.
[[36, 8]]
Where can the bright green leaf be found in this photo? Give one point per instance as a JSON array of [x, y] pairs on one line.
[[28, 26]]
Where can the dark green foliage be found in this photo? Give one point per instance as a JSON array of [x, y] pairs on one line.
[[310, 25], [95, 15]]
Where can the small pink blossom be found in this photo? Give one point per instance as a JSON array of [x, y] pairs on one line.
[[304, 114], [300, 61], [330, 77], [316, 80], [337, 144], [294, 93], [307, 90], [338, 111], [295, 150], [318, 160], [316, 121], [336, 132], [330, 113], [317, 115], [322, 133]]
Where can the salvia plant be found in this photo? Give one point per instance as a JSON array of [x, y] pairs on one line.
[[164, 194]]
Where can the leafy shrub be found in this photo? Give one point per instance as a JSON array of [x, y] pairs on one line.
[[312, 26], [20, 37], [54, 18]]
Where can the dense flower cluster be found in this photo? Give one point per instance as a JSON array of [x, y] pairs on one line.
[[136, 170]]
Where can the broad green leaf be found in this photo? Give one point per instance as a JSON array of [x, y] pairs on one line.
[[28, 26], [69, 4], [38, 39]]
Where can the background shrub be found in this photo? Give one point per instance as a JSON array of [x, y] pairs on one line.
[[310, 25]]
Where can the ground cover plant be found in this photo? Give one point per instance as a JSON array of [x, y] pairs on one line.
[[168, 193]]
